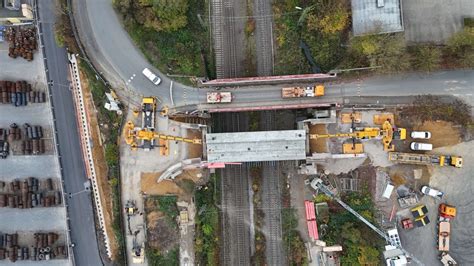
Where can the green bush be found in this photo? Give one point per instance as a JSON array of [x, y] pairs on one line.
[[167, 205], [426, 58], [207, 225], [156, 258]]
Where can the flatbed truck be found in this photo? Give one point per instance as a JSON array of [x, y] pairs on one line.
[[425, 159], [297, 92]]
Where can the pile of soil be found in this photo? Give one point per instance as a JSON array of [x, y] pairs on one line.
[[442, 133], [318, 145]]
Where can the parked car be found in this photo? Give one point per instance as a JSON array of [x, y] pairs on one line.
[[151, 76], [420, 135], [432, 192], [418, 146]]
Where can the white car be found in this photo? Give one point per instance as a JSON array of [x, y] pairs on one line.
[[417, 146], [431, 192], [151, 76], [420, 135]]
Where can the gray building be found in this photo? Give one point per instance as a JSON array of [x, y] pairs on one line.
[[376, 16]]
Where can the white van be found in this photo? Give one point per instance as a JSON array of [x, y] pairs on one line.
[[151, 76], [417, 146], [420, 135]]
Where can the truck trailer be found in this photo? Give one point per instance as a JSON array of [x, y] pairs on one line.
[[219, 97], [425, 159], [297, 92], [444, 232]]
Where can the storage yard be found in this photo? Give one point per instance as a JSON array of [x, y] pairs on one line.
[[33, 226]]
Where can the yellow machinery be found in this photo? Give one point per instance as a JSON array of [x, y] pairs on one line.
[[148, 112], [387, 133], [132, 135]]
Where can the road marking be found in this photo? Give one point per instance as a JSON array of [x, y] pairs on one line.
[[358, 87], [171, 93]]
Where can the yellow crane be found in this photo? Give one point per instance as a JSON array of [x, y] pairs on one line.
[[132, 134], [387, 133]]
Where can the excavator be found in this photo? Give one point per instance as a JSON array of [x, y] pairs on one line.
[[147, 137], [387, 133]]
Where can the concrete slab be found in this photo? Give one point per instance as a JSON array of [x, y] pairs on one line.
[[256, 146], [434, 20]]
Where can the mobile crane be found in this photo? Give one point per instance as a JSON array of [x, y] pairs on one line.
[[147, 137], [387, 133], [318, 185]]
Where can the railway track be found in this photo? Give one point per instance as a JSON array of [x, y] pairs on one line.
[[235, 205], [271, 195], [218, 39], [264, 37]]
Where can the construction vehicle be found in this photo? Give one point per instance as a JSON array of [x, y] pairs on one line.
[[444, 231], [297, 92], [447, 212], [407, 224], [387, 133], [148, 112], [130, 208], [219, 97], [419, 213], [447, 260], [147, 137], [138, 251], [398, 254], [426, 159]]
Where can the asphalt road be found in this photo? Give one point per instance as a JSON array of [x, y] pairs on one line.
[[80, 211], [112, 49]]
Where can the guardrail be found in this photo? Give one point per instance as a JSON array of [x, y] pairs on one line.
[[55, 135], [85, 137]]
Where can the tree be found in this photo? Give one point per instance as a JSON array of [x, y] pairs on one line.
[[368, 256], [328, 17], [387, 51], [426, 58], [160, 15]]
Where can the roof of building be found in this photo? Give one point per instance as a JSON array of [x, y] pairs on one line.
[[256, 146], [376, 16]]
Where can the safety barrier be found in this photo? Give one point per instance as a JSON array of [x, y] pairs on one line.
[[86, 146]]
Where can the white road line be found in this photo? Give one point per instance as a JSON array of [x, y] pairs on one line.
[[171, 93]]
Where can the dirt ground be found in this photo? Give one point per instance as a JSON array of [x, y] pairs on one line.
[[194, 150], [160, 234], [100, 167], [318, 145], [442, 133], [182, 186]]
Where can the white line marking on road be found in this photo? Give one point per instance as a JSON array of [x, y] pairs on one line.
[[171, 93]]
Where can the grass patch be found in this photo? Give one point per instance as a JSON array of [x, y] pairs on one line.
[[156, 258], [258, 258], [167, 205], [207, 224]]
